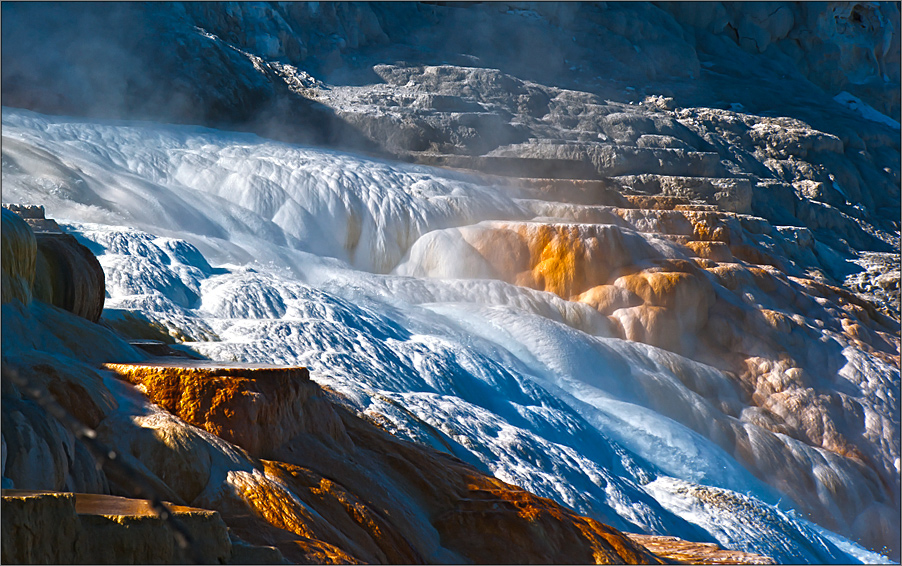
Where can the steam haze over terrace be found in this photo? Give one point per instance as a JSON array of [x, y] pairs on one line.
[[655, 277]]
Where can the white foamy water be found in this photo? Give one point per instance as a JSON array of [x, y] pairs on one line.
[[267, 252]]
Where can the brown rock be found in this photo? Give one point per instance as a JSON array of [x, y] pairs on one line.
[[70, 528], [535, 530], [686, 552], [656, 202], [353, 517], [257, 408], [38, 529], [295, 548], [608, 298], [341, 490], [713, 250]]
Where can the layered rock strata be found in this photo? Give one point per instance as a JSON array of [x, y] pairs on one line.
[[684, 552], [731, 291], [335, 488], [80, 528]]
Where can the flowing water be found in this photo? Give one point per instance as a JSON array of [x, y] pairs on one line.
[[256, 251]]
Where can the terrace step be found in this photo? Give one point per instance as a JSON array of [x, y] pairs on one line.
[[513, 166], [47, 527], [642, 191], [256, 406], [687, 552], [609, 160]]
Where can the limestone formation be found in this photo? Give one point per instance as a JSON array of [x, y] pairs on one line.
[[737, 300], [356, 516], [334, 488], [257, 408], [720, 180], [19, 252], [48, 265], [67, 528], [684, 552]]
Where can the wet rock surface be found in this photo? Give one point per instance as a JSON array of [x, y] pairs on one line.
[[684, 552], [719, 180]]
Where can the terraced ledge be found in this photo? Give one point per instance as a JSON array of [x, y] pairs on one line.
[[513, 166], [685, 552], [661, 192], [609, 159], [258, 407], [46, 527]]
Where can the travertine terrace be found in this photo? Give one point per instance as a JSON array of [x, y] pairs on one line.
[[429, 276]]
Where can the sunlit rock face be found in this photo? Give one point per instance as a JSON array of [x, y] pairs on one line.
[[498, 298], [660, 287], [369, 511], [259, 409], [61, 528]]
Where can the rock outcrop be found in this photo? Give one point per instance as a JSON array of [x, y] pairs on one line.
[[751, 228], [335, 488], [19, 252], [50, 266], [257, 408], [69, 528], [67, 275]]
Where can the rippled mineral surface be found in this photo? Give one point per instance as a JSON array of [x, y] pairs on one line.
[[618, 267]]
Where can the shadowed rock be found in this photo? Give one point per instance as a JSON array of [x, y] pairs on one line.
[[18, 257], [80, 528], [43, 263], [67, 275]]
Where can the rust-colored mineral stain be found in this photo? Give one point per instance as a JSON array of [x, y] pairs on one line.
[[276, 506], [711, 249], [656, 202], [663, 288], [251, 405], [687, 552], [568, 259], [708, 227]]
